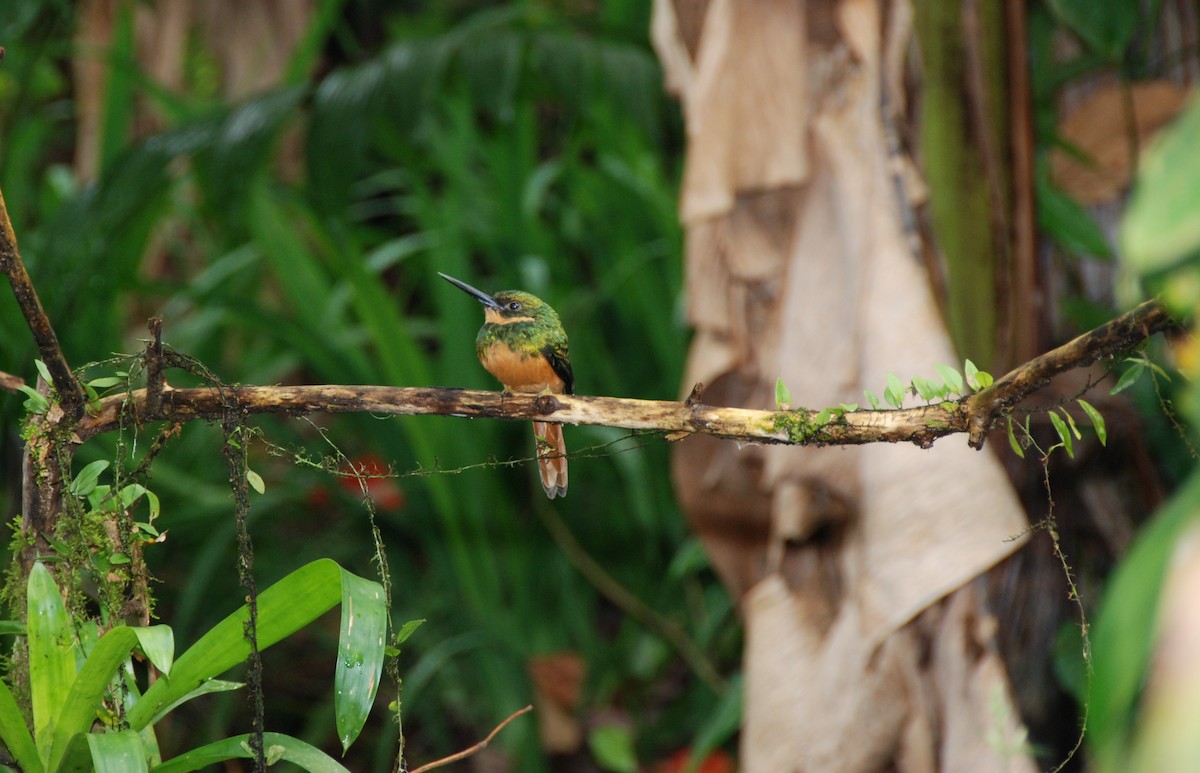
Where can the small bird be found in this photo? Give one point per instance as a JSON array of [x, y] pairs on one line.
[[522, 343]]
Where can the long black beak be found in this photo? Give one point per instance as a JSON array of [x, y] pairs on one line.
[[479, 295]]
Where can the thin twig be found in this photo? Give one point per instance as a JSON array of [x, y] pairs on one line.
[[70, 391], [154, 366], [476, 748], [10, 383]]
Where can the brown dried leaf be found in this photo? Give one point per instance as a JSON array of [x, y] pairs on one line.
[[557, 679], [559, 676], [1100, 127]]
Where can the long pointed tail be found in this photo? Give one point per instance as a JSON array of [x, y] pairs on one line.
[[552, 457]]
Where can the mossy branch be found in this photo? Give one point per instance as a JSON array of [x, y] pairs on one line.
[[70, 391]]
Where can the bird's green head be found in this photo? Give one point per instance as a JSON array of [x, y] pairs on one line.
[[508, 306]]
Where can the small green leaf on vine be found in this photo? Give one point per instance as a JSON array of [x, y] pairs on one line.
[[36, 403], [85, 481], [1129, 377], [926, 390], [1064, 434], [256, 482], [1012, 440], [951, 377], [407, 630], [976, 379], [1071, 423], [1097, 420], [783, 398], [894, 394], [826, 415]]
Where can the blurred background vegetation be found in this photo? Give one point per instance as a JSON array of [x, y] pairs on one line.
[[291, 234], [287, 217]]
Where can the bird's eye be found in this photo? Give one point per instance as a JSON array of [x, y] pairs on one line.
[[514, 305]]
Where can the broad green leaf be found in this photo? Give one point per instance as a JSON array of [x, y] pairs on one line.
[[15, 733], [85, 481], [302, 279], [152, 500], [51, 655], [1064, 434], [1012, 440], [1065, 220], [105, 382], [1125, 626], [130, 493], [97, 496], [783, 398], [612, 747], [1156, 368], [242, 146], [951, 377], [984, 379], [157, 643], [283, 608], [43, 371], [1070, 667], [491, 65], [722, 723], [872, 400], [119, 752], [132, 695], [360, 654], [1106, 26], [1160, 229], [12, 626], [93, 398], [78, 710], [207, 687], [116, 108], [277, 745], [1165, 737], [1097, 420], [924, 389]]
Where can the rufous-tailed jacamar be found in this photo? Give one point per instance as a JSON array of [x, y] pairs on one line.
[[522, 343]]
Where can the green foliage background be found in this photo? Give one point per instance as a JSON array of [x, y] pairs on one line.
[[294, 238]]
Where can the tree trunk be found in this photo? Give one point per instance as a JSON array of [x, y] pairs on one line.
[[868, 647]]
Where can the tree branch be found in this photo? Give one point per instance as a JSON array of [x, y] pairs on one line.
[[10, 383], [974, 415], [69, 389], [1122, 334]]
